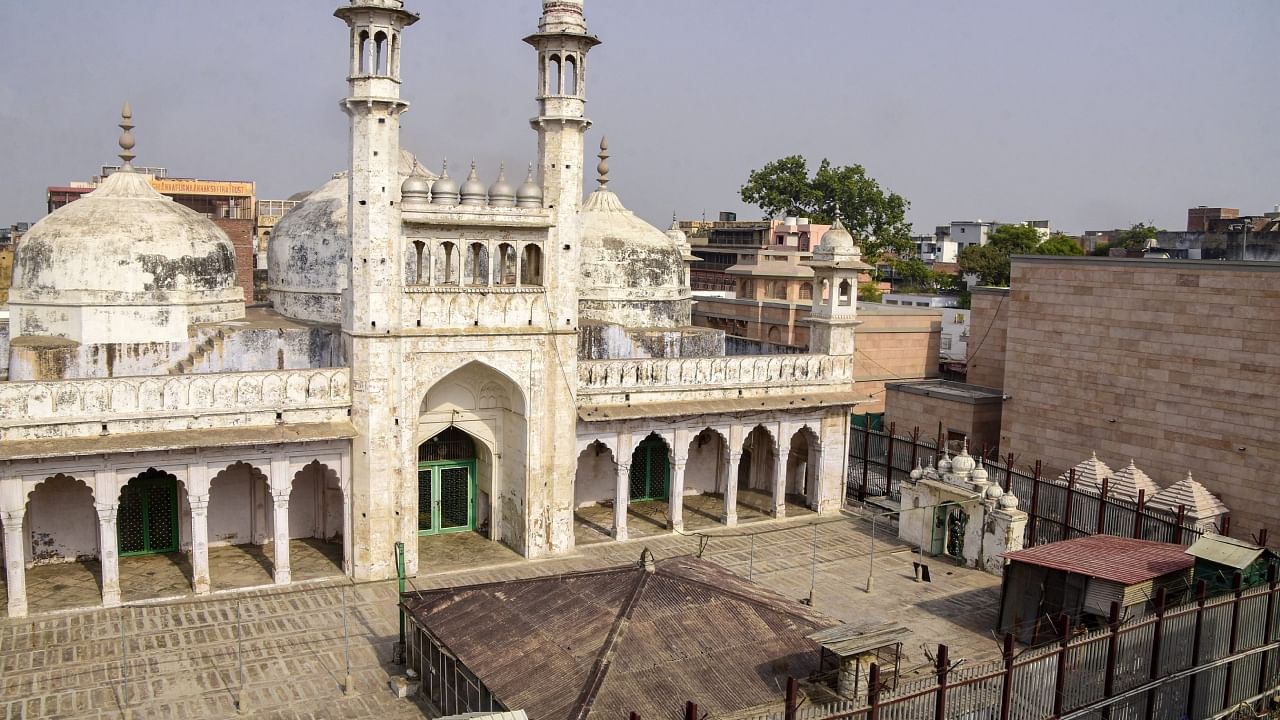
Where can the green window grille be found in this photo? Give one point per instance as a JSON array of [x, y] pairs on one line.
[[650, 470], [147, 521]]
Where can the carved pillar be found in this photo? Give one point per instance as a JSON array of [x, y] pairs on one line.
[[108, 555], [280, 523], [199, 543], [15, 561], [779, 481], [621, 495], [730, 516], [675, 500], [344, 479]]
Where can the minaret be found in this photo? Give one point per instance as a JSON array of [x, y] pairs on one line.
[[836, 263], [371, 301], [562, 43], [374, 106]]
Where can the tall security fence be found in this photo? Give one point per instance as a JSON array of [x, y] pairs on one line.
[[879, 461]]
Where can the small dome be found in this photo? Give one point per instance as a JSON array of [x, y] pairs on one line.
[[1008, 501], [445, 189], [675, 233], [963, 464], [837, 237], [501, 192], [473, 192], [979, 473], [944, 465], [415, 185], [529, 194], [994, 492]]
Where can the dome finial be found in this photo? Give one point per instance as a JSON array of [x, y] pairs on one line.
[[603, 167], [126, 137]]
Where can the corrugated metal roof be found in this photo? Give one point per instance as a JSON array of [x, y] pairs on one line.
[[626, 640], [1118, 559], [859, 638], [1227, 551]]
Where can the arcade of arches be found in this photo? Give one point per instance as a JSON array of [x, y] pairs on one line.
[[670, 464], [108, 513]]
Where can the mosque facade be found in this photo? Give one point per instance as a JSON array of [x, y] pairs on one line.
[[439, 356]]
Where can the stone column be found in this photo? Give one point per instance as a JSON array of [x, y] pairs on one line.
[[108, 555], [347, 523], [199, 543], [730, 516], [779, 481], [280, 523], [1004, 528], [621, 495], [15, 561], [675, 500]]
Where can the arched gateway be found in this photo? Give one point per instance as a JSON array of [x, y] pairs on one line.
[[447, 483]]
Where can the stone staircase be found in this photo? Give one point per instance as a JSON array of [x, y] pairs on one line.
[[208, 345]]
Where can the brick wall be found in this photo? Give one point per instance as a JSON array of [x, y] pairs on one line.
[[988, 324], [241, 234], [1175, 364], [894, 344], [980, 422]]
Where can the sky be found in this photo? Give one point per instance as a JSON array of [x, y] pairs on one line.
[[1093, 114]]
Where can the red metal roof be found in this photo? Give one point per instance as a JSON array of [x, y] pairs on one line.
[[1108, 557]]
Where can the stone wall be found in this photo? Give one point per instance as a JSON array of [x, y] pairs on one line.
[[241, 234], [894, 344], [1170, 363], [601, 341], [979, 420], [988, 326]]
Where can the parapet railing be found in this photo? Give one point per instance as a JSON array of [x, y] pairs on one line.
[[603, 376]]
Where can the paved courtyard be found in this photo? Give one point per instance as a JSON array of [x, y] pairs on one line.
[[182, 658]]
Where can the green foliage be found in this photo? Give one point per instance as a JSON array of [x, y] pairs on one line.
[[989, 263], [868, 292], [874, 216], [914, 276], [1014, 239], [1136, 237], [1059, 244], [1101, 250]]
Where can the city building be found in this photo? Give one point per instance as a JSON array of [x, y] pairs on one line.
[[1199, 218], [947, 241], [439, 357], [1168, 363], [730, 243]]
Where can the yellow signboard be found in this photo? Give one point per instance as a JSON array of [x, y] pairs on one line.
[[202, 187]]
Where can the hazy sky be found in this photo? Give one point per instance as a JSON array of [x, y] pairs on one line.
[[1091, 113]]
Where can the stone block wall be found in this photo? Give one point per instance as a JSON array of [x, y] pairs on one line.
[[978, 421], [894, 344], [1171, 363], [988, 327]]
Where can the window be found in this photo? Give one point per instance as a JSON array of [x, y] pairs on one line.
[[946, 342], [846, 293], [531, 265], [381, 56], [553, 75], [959, 318], [806, 291], [570, 76]]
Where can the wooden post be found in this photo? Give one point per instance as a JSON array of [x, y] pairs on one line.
[[790, 712], [1157, 637], [1137, 516], [873, 693], [1066, 515], [1195, 647], [1182, 520], [1262, 537], [1226, 526], [1113, 653], [1237, 588], [1006, 690], [1102, 508], [1268, 632], [940, 697], [1060, 681], [866, 463], [690, 710], [1032, 538]]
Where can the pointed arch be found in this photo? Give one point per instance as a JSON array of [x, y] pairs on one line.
[[554, 76], [595, 476], [708, 457], [570, 75]]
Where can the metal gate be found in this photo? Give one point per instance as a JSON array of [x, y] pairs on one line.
[[148, 515], [446, 497], [650, 470]]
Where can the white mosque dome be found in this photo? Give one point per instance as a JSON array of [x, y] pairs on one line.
[[123, 264], [632, 273], [310, 249]]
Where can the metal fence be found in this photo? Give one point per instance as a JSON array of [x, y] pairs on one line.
[[1057, 509], [1193, 660]]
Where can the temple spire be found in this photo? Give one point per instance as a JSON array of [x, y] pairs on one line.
[[603, 167]]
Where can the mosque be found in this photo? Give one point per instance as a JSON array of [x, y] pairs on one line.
[[439, 356]]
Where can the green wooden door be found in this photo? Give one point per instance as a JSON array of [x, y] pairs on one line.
[[446, 497], [147, 521], [650, 470]]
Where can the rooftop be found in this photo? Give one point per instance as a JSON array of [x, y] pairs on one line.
[[1109, 557], [949, 390]]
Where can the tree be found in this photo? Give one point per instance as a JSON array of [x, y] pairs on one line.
[[1101, 250], [1059, 244], [875, 216], [1135, 238], [989, 263], [1014, 239]]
